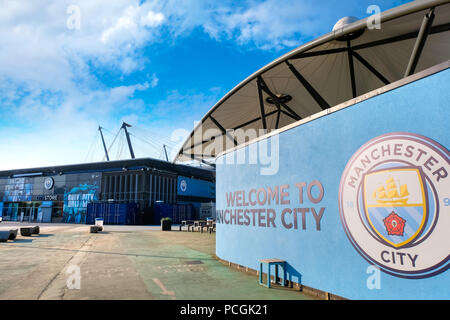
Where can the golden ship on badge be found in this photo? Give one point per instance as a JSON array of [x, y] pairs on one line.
[[391, 193]]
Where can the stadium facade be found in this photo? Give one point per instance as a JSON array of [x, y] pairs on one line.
[[62, 193]]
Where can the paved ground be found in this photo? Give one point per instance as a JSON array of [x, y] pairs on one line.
[[122, 262]]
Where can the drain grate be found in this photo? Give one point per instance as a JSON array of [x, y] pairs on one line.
[[194, 262]]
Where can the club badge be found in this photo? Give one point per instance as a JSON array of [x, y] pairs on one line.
[[394, 204]]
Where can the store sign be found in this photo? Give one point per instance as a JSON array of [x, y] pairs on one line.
[[51, 197], [394, 204]]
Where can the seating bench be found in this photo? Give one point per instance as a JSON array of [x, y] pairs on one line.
[[199, 224], [276, 263], [187, 223], [212, 227]]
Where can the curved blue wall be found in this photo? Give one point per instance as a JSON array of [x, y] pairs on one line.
[[336, 256]]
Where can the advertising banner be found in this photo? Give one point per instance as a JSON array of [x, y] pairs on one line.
[[195, 187]]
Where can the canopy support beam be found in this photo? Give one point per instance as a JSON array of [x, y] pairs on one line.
[[266, 89], [261, 103], [370, 67], [318, 53], [407, 36], [194, 157], [205, 141], [420, 42], [254, 120], [351, 67], [278, 118], [313, 92], [224, 131], [235, 128]]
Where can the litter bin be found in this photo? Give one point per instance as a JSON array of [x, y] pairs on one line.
[[99, 222]]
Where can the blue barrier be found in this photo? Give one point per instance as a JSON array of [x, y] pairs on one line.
[[177, 212], [113, 213]]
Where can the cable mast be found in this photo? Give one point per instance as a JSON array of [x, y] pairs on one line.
[[165, 152], [124, 127], [103, 141]]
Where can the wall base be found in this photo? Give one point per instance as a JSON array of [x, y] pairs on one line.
[[290, 284]]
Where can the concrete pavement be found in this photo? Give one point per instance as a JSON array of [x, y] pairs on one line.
[[122, 262]]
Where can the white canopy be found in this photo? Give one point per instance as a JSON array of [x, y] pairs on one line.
[[339, 66]]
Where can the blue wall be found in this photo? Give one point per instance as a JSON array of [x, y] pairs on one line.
[[336, 258]]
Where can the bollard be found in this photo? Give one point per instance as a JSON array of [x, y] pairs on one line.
[[94, 229], [12, 234], [26, 231]]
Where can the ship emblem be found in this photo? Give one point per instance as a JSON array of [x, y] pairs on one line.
[[395, 204]]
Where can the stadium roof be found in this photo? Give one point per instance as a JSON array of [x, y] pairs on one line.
[[351, 60], [116, 165]]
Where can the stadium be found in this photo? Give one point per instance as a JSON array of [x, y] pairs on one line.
[[353, 127], [329, 166], [61, 194]]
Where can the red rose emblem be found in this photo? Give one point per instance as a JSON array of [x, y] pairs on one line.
[[394, 224]]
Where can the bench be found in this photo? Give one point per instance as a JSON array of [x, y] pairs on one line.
[[199, 224], [187, 223], [210, 226], [276, 263], [206, 225]]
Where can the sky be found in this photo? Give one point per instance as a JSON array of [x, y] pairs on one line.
[[68, 67]]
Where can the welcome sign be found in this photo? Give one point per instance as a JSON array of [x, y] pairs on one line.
[[361, 192], [253, 208]]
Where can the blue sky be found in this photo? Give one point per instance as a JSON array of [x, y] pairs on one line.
[[67, 67]]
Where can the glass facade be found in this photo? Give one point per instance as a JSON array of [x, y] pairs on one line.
[[58, 198], [64, 197]]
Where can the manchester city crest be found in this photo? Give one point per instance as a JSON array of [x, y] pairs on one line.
[[395, 204], [392, 202]]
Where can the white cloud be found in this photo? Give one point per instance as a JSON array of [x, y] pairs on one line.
[[267, 25], [152, 19], [154, 81], [47, 85], [51, 99], [44, 135], [132, 26], [36, 40]]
